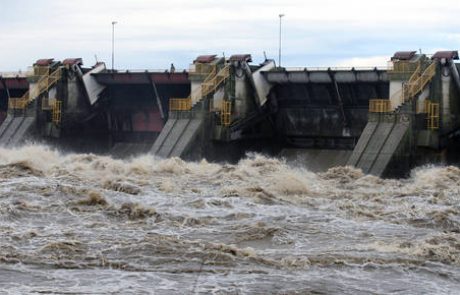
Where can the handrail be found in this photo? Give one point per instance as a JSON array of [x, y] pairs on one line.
[[197, 93], [407, 91], [209, 84], [432, 110], [154, 71], [57, 112], [416, 74], [180, 104], [402, 67], [19, 74], [321, 69], [412, 79], [18, 103], [226, 113], [43, 84], [379, 106], [212, 84], [413, 87]]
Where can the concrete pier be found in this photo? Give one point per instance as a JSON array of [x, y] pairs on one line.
[[371, 118]]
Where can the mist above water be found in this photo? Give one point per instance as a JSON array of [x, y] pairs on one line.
[[81, 223]]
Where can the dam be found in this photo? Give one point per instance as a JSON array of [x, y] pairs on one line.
[[218, 179], [383, 121]]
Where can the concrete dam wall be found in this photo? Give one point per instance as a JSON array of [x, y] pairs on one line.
[[224, 107]]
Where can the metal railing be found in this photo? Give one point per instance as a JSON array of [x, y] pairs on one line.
[[43, 84], [226, 113], [379, 106], [416, 74], [159, 71], [197, 94], [180, 104], [57, 112], [416, 85], [432, 115], [211, 85], [200, 68], [19, 74], [41, 70], [18, 103], [46, 82], [402, 67], [336, 69], [406, 94]]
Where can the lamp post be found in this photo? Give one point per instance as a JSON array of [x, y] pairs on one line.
[[279, 48], [113, 44]]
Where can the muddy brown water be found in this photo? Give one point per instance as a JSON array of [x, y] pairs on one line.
[[86, 224]]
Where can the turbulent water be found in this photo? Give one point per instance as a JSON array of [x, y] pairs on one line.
[[86, 224]]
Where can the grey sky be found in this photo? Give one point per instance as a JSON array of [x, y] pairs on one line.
[[151, 34]]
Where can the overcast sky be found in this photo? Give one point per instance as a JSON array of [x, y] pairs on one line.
[[152, 34]]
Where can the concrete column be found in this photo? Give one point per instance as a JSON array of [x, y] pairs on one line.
[[396, 94], [445, 89]]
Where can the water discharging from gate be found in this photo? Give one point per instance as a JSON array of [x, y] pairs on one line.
[[80, 223]]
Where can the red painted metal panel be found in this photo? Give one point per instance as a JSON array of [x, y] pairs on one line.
[[403, 55], [15, 83], [445, 54], [44, 62], [205, 58], [147, 121], [241, 57], [73, 61]]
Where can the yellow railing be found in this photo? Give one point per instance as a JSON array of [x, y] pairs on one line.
[[17, 103], [379, 106], [204, 68], [45, 83], [197, 94], [418, 81], [180, 104], [411, 88], [426, 105], [214, 82], [226, 113], [41, 70], [416, 74], [403, 67], [57, 112], [42, 85], [210, 84], [413, 79], [432, 115]]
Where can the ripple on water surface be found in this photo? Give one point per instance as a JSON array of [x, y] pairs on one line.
[[81, 223]]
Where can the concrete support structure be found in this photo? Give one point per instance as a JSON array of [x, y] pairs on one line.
[[221, 103]]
